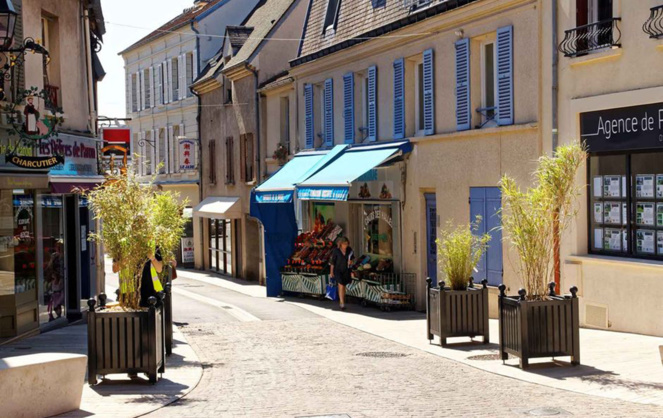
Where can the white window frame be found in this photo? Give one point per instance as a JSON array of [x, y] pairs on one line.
[[284, 121], [319, 116], [418, 101], [362, 80], [485, 122]]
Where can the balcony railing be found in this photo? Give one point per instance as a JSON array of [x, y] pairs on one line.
[[52, 103], [594, 36], [654, 25]]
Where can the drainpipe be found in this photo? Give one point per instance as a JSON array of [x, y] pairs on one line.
[[555, 140], [257, 99], [90, 82]]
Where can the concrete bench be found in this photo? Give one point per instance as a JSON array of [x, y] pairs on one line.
[[41, 385]]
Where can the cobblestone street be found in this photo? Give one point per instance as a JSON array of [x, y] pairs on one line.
[[292, 363]]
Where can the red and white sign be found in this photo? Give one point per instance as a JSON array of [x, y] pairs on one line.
[[187, 250], [187, 151], [116, 135]]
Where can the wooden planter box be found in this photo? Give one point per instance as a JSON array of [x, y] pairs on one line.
[[533, 329], [125, 342], [457, 313], [168, 319]]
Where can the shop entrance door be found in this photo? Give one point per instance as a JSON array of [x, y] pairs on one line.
[[220, 246], [487, 202], [431, 236], [72, 256], [86, 287]]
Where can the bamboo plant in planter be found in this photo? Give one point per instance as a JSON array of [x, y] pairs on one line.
[[136, 220], [456, 308], [538, 322]]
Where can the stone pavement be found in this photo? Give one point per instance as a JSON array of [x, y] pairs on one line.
[[614, 365]]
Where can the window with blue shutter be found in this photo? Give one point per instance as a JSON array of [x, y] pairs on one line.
[[463, 114], [349, 108], [372, 104], [308, 108], [329, 113], [505, 75], [429, 93], [399, 98]]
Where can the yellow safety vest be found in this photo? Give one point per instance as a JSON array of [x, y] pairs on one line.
[[155, 279]]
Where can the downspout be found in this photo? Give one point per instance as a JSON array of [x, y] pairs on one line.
[[90, 82], [258, 139], [557, 265], [200, 149]]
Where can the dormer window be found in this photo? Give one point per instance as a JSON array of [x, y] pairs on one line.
[[331, 17]]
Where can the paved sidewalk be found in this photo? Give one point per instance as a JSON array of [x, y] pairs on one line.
[[613, 365], [117, 397]]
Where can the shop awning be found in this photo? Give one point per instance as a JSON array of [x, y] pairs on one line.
[[219, 207], [279, 188], [333, 181], [73, 184]]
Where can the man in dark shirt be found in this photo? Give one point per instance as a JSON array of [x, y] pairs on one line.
[[146, 283]]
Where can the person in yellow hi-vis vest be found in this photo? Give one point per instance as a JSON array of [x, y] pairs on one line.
[[150, 283]]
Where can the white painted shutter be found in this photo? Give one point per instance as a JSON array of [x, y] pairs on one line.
[[152, 98], [184, 85], [195, 64], [157, 92], [169, 78], [142, 89], [177, 147], [129, 95], [154, 151], [171, 141], [141, 157]]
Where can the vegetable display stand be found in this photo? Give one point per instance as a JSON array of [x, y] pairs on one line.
[[539, 328], [305, 283], [457, 313], [125, 342], [387, 290]]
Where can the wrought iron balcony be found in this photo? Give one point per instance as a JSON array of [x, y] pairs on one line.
[[594, 36], [654, 25]]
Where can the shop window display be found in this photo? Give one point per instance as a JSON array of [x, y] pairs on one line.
[[17, 243], [626, 202]]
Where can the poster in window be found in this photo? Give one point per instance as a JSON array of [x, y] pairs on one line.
[[644, 241], [659, 214], [644, 185], [659, 242], [611, 186], [624, 213], [624, 240], [598, 213], [598, 189], [659, 185], [598, 238], [612, 239], [612, 213], [624, 186], [644, 213]]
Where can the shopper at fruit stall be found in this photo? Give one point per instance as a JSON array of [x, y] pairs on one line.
[[341, 259]]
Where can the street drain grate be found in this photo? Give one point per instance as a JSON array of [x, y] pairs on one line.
[[544, 412], [382, 354], [486, 357]]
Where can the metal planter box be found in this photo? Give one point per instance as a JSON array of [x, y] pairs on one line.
[[168, 319], [533, 329], [457, 313], [125, 342]]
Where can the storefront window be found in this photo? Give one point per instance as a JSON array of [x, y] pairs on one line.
[[627, 204], [53, 285], [220, 246], [378, 230], [17, 243]]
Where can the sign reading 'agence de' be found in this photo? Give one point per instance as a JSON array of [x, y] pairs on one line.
[[623, 129]]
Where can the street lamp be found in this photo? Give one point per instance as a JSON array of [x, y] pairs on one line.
[[8, 17]]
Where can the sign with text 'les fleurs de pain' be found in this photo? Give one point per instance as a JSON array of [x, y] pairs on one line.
[[623, 129], [187, 155]]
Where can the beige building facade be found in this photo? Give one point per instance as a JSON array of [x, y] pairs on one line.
[[610, 97], [465, 87]]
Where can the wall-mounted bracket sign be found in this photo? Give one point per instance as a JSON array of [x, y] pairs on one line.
[[623, 129], [35, 163]]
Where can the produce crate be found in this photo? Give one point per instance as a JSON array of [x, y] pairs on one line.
[[305, 284], [386, 290]]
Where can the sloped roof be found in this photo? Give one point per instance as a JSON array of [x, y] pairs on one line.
[[179, 21], [361, 20], [262, 20]]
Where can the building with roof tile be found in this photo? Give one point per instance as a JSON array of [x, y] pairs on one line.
[[160, 69], [254, 52]]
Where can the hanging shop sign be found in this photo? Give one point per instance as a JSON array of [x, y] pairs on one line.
[[623, 129], [80, 155], [35, 163], [186, 154]]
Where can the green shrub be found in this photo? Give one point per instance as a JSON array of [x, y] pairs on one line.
[[459, 250]]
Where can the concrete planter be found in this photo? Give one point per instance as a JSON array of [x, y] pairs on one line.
[[533, 329], [457, 313], [126, 342]]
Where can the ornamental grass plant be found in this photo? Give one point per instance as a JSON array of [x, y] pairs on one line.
[[535, 219], [459, 250], [135, 220]]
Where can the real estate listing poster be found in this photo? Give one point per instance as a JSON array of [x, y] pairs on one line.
[[644, 241], [612, 213], [644, 213], [611, 186], [644, 185], [659, 185], [598, 238], [659, 242], [598, 213], [612, 239]]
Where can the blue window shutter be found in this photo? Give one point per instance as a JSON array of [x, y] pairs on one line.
[[349, 107], [329, 112], [308, 108], [399, 98], [487, 203], [372, 104], [505, 75], [463, 113], [429, 92]]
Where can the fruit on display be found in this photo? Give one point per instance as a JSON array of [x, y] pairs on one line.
[[313, 249]]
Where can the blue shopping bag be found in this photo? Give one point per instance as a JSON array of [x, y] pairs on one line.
[[332, 290]]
